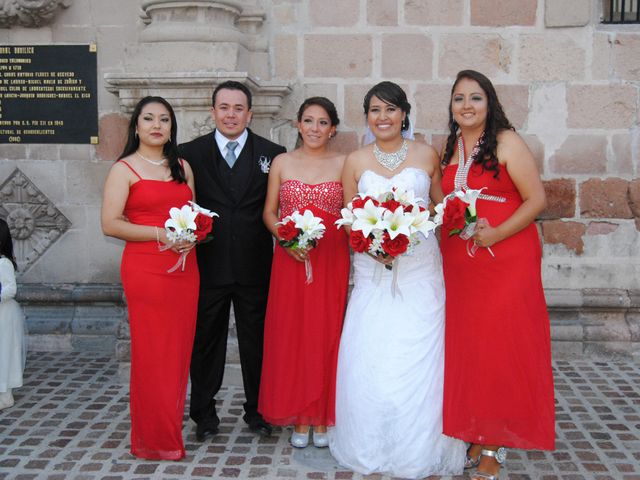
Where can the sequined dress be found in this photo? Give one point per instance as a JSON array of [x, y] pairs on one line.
[[304, 321]]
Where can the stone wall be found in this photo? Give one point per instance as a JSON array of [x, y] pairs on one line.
[[569, 84]]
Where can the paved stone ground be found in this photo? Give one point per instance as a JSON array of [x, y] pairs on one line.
[[71, 421]]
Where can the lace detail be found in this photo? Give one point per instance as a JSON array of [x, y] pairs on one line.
[[295, 195]]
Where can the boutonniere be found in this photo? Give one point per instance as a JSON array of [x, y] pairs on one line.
[[264, 163]]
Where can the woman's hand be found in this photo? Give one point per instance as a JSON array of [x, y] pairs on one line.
[[177, 247], [486, 235], [297, 254], [182, 247]]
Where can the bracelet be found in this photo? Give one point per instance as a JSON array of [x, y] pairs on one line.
[[157, 236]]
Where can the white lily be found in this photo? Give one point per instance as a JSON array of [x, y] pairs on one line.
[[470, 196], [369, 218], [310, 225], [406, 197], [181, 219], [346, 215], [421, 222], [198, 209], [398, 222], [439, 208]]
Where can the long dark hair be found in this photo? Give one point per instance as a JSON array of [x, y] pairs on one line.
[[169, 149], [495, 123], [6, 244], [392, 94]]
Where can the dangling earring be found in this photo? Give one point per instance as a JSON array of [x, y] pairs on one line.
[[404, 124]]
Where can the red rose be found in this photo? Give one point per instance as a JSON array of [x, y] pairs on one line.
[[357, 202], [391, 205], [395, 247], [453, 217], [359, 242], [287, 231], [375, 202], [204, 224]]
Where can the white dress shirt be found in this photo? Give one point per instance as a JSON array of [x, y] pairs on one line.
[[222, 141]]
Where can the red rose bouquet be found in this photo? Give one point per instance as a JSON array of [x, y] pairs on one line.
[[301, 232], [190, 223], [386, 224], [457, 215]]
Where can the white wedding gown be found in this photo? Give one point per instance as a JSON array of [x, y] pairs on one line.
[[391, 360]]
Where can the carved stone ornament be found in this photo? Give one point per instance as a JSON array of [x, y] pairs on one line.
[[34, 221], [29, 13]]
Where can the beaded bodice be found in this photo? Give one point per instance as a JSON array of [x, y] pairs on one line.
[[295, 195]]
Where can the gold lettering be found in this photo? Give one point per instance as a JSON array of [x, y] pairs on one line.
[[23, 50]]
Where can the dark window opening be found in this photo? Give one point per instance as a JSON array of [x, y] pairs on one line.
[[621, 11]]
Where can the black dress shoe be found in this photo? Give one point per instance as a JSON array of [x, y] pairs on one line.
[[206, 428], [259, 426]]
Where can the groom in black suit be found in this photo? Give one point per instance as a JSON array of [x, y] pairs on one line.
[[230, 167]]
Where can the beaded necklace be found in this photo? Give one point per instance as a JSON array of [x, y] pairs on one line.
[[460, 179]]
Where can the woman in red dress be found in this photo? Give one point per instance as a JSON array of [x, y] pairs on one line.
[[141, 187], [304, 320], [498, 380]]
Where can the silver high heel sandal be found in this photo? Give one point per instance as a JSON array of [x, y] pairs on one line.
[[499, 455], [471, 462]]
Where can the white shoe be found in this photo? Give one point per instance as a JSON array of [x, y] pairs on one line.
[[320, 440], [6, 400], [299, 440]]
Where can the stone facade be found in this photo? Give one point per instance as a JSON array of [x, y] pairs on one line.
[[568, 83]]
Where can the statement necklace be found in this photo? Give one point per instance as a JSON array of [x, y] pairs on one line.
[[152, 162], [391, 161]]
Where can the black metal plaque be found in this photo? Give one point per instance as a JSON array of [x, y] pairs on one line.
[[48, 94]]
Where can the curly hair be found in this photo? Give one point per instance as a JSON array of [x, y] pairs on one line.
[[495, 123]]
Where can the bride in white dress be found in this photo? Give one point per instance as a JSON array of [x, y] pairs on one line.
[[391, 360]]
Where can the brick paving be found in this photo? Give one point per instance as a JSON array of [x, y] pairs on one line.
[[71, 421]]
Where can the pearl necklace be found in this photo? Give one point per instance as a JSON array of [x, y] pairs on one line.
[[391, 161], [152, 162]]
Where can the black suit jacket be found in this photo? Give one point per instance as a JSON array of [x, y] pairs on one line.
[[242, 247]]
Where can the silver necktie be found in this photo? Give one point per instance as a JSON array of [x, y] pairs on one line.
[[230, 157]]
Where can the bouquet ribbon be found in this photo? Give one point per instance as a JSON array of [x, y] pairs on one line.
[[308, 270], [377, 275], [182, 259], [466, 234]]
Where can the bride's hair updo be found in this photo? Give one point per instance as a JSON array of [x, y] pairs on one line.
[[495, 123], [392, 94]]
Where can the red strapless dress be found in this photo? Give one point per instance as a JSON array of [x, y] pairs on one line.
[[304, 321], [498, 387], [162, 318]]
